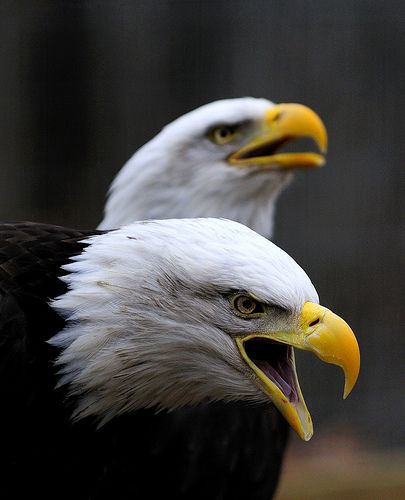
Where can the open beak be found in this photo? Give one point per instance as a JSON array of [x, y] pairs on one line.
[[283, 124], [271, 357]]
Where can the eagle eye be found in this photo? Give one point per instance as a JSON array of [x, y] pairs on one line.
[[223, 134], [246, 306]]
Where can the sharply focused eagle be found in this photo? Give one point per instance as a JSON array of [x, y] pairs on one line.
[[225, 159], [130, 325]]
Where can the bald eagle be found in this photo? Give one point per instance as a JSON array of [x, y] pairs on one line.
[[224, 159], [105, 334]]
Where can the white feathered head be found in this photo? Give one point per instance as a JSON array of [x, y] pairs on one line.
[[178, 312], [224, 159]]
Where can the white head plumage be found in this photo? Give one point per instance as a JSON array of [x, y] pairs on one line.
[[216, 161], [149, 318]]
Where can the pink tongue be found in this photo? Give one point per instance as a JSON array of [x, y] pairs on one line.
[[287, 389]]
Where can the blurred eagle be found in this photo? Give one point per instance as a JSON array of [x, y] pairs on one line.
[[225, 159], [105, 335]]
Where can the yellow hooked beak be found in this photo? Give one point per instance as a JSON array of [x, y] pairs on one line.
[[282, 124], [271, 357]]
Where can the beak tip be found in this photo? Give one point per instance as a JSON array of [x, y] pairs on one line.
[[306, 437], [347, 390], [349, 386]]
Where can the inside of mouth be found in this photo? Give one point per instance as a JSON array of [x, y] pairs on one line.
[[275, 360], [266, 149], [287, 144]]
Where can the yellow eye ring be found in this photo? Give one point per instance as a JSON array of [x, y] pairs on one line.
[[222, 134], [246, 306]]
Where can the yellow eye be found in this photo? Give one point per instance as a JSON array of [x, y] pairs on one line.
[[222, 134], [245, 305]]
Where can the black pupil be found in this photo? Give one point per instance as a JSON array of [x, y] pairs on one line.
[[247, 304], [223, 132]]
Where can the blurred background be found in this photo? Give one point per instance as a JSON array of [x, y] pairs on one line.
[[85, 83]]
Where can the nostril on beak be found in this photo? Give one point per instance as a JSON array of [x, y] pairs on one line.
[[314, 322]]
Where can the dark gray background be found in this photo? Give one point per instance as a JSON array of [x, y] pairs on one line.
[[85, 83]]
